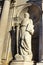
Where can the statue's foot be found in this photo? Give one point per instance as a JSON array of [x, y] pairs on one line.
[[19, 57]]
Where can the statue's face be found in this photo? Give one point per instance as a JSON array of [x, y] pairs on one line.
[[26, 15]]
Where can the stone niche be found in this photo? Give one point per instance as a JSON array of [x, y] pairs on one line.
[[35, 15]]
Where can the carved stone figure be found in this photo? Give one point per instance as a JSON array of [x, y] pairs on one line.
[[27, 30]]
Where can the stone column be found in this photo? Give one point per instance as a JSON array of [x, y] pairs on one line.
[[14, 12], [41, 39], [4, 21], [42, 35]]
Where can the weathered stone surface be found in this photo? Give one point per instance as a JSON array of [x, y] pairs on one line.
[[3, 27], [0, 63]]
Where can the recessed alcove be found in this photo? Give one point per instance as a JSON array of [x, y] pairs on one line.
[[35, 14]]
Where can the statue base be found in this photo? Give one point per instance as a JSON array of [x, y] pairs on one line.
[[22, 63], [18, 57]]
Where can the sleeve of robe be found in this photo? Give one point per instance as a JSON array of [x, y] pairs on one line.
[[30, 27]]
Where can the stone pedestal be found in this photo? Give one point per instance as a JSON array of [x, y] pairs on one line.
[[22, 63]]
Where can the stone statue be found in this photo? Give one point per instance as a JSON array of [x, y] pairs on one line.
[[26, 30]]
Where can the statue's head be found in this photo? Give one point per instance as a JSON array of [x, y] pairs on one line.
[[26, 15]]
